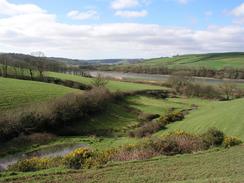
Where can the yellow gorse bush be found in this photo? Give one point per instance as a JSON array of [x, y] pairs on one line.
[[32, 164], [231, 141], [77, 158]]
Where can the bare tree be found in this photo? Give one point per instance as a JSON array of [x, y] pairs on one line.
[[99, 81], [228, 89], [40, 63], [4, 65], [180, 81]]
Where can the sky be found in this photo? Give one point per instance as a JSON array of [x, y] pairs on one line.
[[100, 29]]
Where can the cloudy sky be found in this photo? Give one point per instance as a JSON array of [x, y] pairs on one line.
[[89, 29]]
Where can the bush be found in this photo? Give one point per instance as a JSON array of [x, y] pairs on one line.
[[35, 164], [154, 126], [178, 142], [78, 158], [146, 130], [145, 117], [213, 137], [231, 141], [53, 115]]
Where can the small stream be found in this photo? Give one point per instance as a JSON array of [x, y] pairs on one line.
[[54, 151]]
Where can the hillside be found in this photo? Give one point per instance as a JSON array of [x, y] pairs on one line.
[[112, 85], [226, 116], [15, 93], [211, 60], [216, 166]]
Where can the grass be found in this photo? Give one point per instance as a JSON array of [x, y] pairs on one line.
[[16, 93], [116, 119], [218, 166], [112, 85], [216, 61], [160, 106], [227, 116]]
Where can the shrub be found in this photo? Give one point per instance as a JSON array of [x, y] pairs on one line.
[[154, 126], [145, 130], [53, 115], [77, 158], [171, 117], [145, 117], [213, 137], [231, 141], [35, 164], [178, 142]]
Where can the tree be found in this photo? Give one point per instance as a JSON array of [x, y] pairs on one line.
[[40, 63], [180, 81], [228, 89], [4, 65], [99, 81]]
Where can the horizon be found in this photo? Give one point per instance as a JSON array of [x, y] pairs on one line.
[[121, 29]]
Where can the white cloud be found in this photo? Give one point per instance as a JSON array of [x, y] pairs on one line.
[[122, 4], [13, 9], [27, 32], [131, 14], [238, 11], [78, 15]]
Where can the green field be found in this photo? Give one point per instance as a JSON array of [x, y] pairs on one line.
[[216, 61], [227, 116], [16, 93], [112, 85], [217, 166]]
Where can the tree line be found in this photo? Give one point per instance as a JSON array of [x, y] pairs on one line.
[[33, 65], [227, 72]]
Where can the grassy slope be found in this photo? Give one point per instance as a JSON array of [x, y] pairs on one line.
[[216, 61], [216, 166], [112, 85], [160, 106], [116, 118], [227, 116], [16, 93]]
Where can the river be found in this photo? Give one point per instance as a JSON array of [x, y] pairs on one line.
[[158, 77]]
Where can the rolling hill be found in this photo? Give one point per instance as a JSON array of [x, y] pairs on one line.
[[112, 85], [16, 93], [211, 60]]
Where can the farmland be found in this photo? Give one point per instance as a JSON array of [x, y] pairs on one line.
[[16, 93]]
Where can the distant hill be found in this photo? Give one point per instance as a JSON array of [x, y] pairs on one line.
[[211, 60], [95, 62], [74, 62]]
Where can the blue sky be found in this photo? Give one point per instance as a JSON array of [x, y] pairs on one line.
[[193, 13], [121, 28]]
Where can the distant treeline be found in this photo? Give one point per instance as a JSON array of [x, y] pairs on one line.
[[230, 73], [20, 65]]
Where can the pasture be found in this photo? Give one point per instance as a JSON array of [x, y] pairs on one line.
[[16, 93]]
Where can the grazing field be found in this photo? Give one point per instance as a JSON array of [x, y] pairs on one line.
[[15, 93], [216, 61], [112, 85], [214, 166], [161, 106], [227, 116], [116, 119]]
